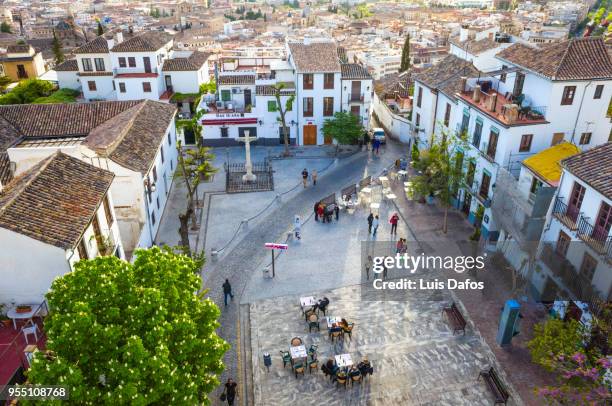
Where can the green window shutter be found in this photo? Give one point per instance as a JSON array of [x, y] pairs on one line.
[[226, 95], [271, 105]]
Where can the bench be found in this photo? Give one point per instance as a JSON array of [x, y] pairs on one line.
[[455, 318], [495, 384]]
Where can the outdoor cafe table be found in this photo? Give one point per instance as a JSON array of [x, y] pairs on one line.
[[331, 320], [307, 301], [14, 314], [344, 360], [299, 351]]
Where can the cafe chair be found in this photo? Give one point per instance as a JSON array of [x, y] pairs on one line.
[[349, 330], [298, 368], [295, 341], [341, 379], [336, 335], [313, 364], [313, 321], [312, 351], [32, 328], [286, 358]]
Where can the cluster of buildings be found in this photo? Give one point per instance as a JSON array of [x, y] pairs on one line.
[[530, 123]]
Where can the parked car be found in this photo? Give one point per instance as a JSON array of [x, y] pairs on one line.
[[379, 134]]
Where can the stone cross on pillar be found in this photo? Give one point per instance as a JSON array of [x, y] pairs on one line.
[[249, 176]]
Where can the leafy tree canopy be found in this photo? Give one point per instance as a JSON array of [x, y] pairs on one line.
[[122, 333], [60, 96], [344, 128], [27, 91]]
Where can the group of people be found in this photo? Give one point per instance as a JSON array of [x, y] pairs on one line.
[[326, 211], [331, 369], [374, 222], [313, 176]]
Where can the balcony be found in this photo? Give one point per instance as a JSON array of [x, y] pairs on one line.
[[596, 238], [107, 245], [356, 98], [566, 215], [503, 109]]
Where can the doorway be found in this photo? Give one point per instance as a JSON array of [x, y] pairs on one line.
[[247, 98], [310, 134], [467, 203], [518, 84], [168, 80], [147, 64]]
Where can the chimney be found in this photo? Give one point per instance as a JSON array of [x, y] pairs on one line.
[[512, 113], [463, 84], [464, 33], [119, 37], [492, 101], [476, 94]]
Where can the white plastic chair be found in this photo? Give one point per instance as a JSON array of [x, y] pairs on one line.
[[30, 330]]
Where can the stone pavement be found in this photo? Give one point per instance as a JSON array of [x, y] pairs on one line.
[[241, 261], [416, 358]]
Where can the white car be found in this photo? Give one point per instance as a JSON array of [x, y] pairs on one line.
[[379, 134]]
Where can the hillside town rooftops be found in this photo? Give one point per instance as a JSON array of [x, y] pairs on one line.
[[55, 201], [446, 75], [70, 65], [475, 47]]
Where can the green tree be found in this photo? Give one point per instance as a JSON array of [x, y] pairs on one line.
[[5, 27], [132, 333], [4, 82], [442, 169], [194, 166], [405, 61], [59, 96], [57, 50], [282, 110], [27, 91], [100, 28], [345, 128], [555, 337]]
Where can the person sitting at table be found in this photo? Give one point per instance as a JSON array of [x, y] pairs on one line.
[[330, 368], [344, 324], [365, 367], [353, 372], [335, 328]]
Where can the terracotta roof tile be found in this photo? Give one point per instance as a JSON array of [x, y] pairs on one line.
[[132, 138], [237, 80], [354, 71], [148, 41], [58, 120], [18, 48], [268, 90], [594, 167], [475, 47], [446, 75], [71, 65], [574, 59], [192, 63], [55, 201], [315, 57], [95, 46]]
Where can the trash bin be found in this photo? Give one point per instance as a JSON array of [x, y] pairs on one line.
[[267, 272]]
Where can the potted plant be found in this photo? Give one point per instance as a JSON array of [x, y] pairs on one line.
[[3, 318]]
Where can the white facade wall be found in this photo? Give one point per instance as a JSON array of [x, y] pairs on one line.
[[365, 106], [104, 88], [134, 88], [591, 203], [425, 112], [317, 93], [184, 81], [68, 80], [395, 126], [30, 266]]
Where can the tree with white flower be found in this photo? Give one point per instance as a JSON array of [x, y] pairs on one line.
[[137, 331]]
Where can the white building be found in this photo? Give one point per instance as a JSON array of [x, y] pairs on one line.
[[135, 140], [56, 213], [143, 66], [313, 78], [577, 242]]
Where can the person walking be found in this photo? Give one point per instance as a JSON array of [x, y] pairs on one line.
[[370, 220], [305, 177], [375, 225], [316, 210], [227, 291], [337, 211], [230, 391], [368, 266], [393, 220], [314, 177]]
